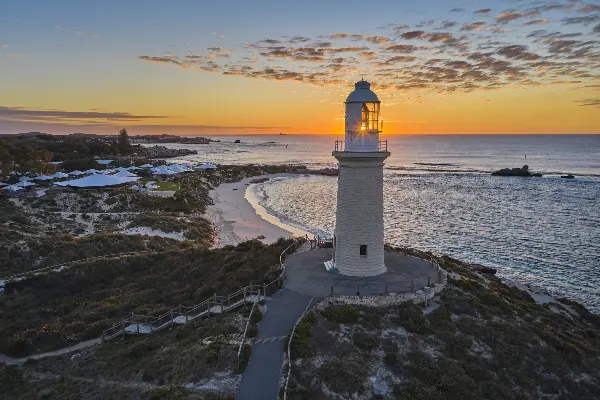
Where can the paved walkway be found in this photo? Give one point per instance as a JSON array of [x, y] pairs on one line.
[[261, 378]]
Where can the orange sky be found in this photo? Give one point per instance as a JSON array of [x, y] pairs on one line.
[[484, 69]]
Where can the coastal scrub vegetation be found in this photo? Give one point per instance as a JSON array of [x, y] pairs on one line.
[[33, 253], [54, 310], [480, 338], [192, 353]]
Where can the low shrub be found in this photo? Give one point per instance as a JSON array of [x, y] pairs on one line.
[[342, 314]]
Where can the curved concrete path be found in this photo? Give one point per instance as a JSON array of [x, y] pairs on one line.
[[261, 377], [81, 345]]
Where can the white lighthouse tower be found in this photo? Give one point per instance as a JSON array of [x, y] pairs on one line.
[[358, 236]]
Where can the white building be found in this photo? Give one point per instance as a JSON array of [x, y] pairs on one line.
[[358, 235]]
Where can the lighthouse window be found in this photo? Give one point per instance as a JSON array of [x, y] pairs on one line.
[[363, 250]]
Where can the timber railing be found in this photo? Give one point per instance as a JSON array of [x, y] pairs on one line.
[[244, 335], [144, 324], [383, 288]]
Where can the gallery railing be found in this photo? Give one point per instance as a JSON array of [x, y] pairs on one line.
[[382, 146]]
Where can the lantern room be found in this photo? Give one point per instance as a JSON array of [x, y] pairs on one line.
[[362, 119]]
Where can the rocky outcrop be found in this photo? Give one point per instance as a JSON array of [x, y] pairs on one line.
[[163, 152], [523, 171]]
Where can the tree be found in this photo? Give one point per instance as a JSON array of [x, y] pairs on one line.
[[123, 142]]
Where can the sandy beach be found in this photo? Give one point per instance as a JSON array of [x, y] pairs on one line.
[[238, 216]]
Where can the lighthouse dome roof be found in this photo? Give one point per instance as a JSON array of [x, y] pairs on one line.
[[362, 93]]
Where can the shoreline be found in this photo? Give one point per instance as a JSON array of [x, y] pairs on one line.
[[237, 215]]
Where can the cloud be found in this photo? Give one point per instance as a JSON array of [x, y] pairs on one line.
[[511, 15], [589, 8], [395, 60], [162, 60], [586, 20], [483, 56], [402, 48], [78, 32], [457, 10], [537, 22], [368, 55], [24, 114], [298, 39], [483, 11], [518, 52], [448, 24], [475, 26], [414, 35], [589, 102], [597, 29]]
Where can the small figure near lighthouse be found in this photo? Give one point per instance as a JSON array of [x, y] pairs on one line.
[[358, 235]]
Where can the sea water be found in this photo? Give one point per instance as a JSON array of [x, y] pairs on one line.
[[439, 196]]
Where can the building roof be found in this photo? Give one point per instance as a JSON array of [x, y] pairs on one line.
[[98, 180], [362, 93], [125, 174]]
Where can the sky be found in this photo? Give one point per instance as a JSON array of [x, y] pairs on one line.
[[237, 67]]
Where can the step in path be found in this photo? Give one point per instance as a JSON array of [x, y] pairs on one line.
[[261, 377]]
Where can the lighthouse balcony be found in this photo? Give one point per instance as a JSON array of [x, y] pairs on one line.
[[380, 146]]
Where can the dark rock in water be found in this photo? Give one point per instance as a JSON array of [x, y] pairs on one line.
[[523, 171], [237, 141], [568, 176]]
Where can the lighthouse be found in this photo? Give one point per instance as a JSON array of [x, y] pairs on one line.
[[358, 236]]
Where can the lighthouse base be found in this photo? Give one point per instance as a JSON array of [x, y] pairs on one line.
[[358, 237]]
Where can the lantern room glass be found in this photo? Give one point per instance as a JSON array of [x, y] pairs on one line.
[[370, 116]]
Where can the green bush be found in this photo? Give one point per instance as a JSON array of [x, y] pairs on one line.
[[342, 314], [252, 331], [364, 340], [257, 315]]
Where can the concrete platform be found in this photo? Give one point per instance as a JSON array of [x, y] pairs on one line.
[[306, 274]]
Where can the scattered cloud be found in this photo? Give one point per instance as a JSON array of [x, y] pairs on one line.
[[442, 56], [586, 20], [537, 22], [78, 32], [511, 15], [590, 102], [24, 114], [589, 8], [475, 26], [518, 52], [457, 10]]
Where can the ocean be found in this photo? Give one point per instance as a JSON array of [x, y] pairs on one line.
[[439, 196]]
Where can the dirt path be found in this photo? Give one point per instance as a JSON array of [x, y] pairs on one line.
[[81, 345]]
